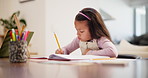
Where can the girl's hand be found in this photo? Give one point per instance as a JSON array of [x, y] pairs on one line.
[[84, 53], [59, 51]]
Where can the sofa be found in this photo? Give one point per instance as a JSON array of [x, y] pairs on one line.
[[125, 47]]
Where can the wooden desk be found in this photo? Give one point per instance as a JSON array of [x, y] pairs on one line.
[[137, 69]]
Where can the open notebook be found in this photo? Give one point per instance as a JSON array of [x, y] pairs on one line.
[[76, 57], [60, 57]]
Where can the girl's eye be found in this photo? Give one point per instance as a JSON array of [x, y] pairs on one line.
[[81, 31]]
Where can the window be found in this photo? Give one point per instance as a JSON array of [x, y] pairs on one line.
[[140, 21]]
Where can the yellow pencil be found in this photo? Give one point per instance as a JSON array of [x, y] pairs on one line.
[[104, 59], [57, 41]]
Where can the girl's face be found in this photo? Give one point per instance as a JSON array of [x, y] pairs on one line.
[[82, 30]]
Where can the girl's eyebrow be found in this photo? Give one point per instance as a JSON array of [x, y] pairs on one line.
[[81, 30], [77, 29]]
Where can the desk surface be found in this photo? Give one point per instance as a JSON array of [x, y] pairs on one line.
[[136, 69]]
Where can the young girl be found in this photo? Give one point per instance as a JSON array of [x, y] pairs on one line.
[[93, 38]]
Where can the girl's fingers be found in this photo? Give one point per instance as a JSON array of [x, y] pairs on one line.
[[85, 52], [58, 51]]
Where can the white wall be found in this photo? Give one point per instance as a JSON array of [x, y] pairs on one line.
[[34, 13], [60, 19], [122, 26]]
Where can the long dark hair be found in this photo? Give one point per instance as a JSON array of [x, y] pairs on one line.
[[96, 25]]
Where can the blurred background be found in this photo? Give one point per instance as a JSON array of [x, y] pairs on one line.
[[125, 19]]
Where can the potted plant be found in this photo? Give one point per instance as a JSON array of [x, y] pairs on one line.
[[10, 23]]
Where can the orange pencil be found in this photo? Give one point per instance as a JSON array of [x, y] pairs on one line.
[[17, 24]]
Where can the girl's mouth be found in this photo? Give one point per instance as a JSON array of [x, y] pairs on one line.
[[79, 38]]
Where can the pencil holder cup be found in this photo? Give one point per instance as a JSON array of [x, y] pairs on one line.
[[18, 51]]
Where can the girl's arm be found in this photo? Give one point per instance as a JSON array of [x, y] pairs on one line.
[[107, 48], [72, 46]]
